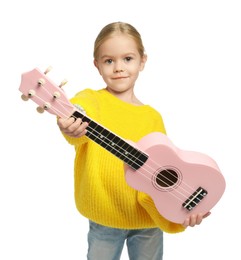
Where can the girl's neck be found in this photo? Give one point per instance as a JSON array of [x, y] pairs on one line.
[[126, 96]]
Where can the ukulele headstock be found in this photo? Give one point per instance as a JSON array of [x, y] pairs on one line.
[[36, 85]]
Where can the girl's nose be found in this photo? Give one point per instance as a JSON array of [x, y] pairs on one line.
[[119, 70], [119, 66]]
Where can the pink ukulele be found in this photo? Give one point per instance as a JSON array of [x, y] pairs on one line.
[[179, 182]]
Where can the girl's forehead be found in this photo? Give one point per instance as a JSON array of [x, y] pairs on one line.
[[119, 41]]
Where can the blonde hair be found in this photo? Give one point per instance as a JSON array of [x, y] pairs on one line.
[[115, 28]]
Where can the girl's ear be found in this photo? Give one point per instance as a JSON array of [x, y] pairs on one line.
[[143, 62], [96, 65]]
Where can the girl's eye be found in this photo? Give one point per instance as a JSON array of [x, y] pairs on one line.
[[109, 61], [128, 58]]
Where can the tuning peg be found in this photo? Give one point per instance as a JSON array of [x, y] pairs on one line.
[[31, 93], [45, 107], [41, 82], [56, 95], [40, 110], [48, 70], [24, 98], [63, 83]]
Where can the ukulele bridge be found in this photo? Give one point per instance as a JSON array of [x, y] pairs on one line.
[[195, 199]]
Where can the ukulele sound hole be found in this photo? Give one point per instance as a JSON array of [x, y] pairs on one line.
[[167, 177]]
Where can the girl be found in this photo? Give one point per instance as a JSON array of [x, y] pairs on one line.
[[116, 212]]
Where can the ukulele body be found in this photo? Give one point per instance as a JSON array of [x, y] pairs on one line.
[[180, 182]]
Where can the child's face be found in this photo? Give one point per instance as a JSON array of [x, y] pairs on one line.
[[119, 63]]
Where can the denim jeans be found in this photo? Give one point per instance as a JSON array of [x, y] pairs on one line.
[[107, 243]]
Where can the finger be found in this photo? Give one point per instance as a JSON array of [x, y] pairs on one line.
[[193, 220], [186, 222], [81, 130], [69, 125], [198, 219], [65, 122], [72, 124], [207, 214]]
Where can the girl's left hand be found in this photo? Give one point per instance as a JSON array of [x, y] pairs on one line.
[[195, 219]]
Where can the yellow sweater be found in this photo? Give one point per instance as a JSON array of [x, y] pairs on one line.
[[101, 192]]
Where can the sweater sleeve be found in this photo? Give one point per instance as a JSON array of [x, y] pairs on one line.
[[147, 203], [74, 140]]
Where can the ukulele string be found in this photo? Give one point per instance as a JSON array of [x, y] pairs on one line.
[[137, 161], [97, 135], [136, 158]]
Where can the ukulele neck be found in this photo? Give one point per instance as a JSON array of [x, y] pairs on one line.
[[132, 156]]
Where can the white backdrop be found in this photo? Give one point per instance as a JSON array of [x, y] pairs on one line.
[[192, 77]]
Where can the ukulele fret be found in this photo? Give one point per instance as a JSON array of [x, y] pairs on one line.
[[112, 143]]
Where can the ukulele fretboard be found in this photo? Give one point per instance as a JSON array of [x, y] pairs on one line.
[[113, 143]]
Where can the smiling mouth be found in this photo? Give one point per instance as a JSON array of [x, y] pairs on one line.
[[120, 78]]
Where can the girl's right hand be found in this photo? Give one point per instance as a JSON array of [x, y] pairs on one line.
[[72, 127]]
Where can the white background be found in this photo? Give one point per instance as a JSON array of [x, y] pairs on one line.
[[192, 77]]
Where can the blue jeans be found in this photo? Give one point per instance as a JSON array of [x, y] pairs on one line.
[[107, 243]]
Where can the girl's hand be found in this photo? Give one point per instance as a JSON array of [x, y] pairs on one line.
[[195, 219], [72, 127]]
